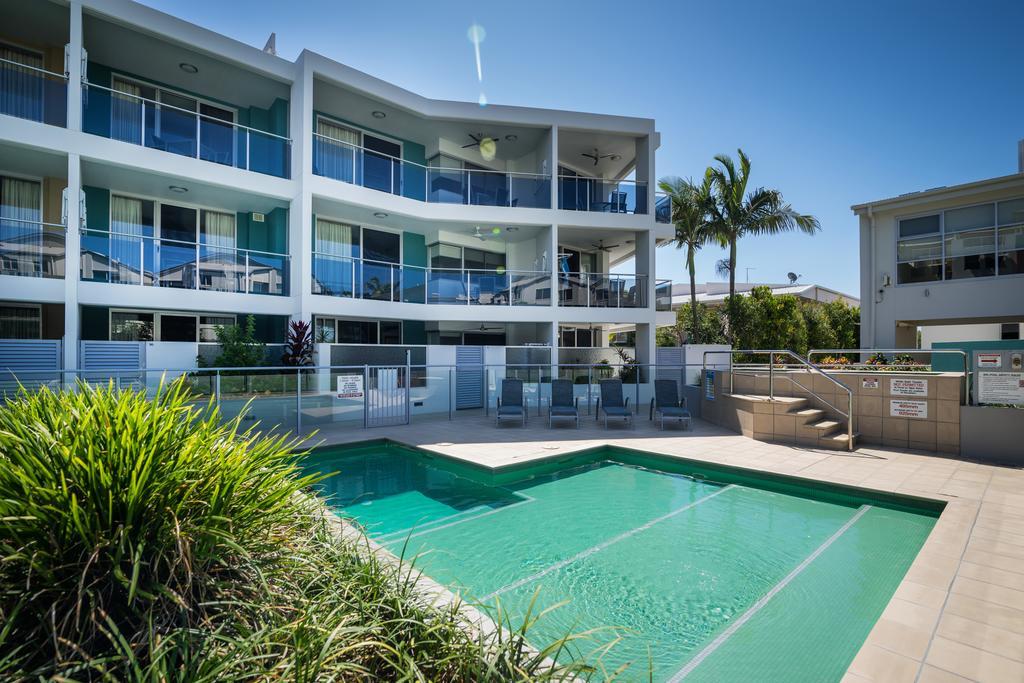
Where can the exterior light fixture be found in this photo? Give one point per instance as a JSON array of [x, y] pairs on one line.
[[380, 214], [177, 188], [378, 114], [511, 138], [188, 68], [616, 157]]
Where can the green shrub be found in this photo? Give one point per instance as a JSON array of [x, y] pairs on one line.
[[142, 539]]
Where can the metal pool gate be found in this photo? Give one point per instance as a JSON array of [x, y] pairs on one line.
[[386, 399], [469, 377]]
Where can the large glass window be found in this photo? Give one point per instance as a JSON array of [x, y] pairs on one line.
[[1010, 237], [177, 328], [970, 254], [445, 256], [919, 250], [130, 326], [20, 322], [382, 246]]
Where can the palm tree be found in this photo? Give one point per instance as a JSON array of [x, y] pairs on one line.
[[722, 267], [692, 217], [738, 214]]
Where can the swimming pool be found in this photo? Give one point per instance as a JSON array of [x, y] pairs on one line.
[[707, 573]]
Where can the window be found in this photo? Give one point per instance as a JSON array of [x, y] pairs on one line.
[[130, 326], [342, 331], [21, 93], [208, 326], [20, 232], [178, 328], [983, 240], [445, 256], [382, 246], [1010, 331], [390, 332], [20, 322]]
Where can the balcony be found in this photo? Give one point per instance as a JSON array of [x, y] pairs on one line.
[[33, 93], [662, 208], [580, 193], [663, 295], [350, 163], [184, 126], [602, 290], [375, 280], [123, 258], [31, 248]]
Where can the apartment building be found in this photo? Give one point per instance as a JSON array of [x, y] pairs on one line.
[[158, 179], [948, 261]]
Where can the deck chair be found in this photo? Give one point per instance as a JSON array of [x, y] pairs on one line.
[[611, 404], [510, 403], [563, 405], [666, 403]]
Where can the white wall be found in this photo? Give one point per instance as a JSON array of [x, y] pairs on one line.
[[932, 334]]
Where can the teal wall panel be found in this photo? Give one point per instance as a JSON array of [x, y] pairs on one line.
[[414, 249]]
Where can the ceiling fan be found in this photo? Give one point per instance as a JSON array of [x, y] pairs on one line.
[[598, 157], [477, 139], [484, 236], [601, 246], [485, 328]]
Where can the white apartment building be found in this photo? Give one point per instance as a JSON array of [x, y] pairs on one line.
[[948, 260], [158, 179]]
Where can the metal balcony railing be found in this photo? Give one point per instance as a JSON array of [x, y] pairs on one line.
[[28, 92], [580, 193], [31, 248], [602, 290]]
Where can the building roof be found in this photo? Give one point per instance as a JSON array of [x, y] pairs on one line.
[[944, 192], [714, 293]]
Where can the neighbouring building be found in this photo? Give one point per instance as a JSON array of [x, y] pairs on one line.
[[946, 262], [158, 179], [715, 293]]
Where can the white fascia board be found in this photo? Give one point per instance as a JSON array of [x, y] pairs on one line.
[[329, 70], [32, 289], [368, 308], [174, 299], [164, 26], [942, 194]]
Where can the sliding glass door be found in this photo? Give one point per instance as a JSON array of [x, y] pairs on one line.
[[21, 234]]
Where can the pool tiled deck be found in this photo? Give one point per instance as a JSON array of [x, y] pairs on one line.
[[958, 615]]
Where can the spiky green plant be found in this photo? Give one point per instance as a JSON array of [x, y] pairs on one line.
[[143, 539]]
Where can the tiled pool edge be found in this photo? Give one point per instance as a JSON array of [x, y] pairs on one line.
[[909, 641]]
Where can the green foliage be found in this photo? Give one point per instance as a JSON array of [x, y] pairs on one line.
[[709, 328], [239, 347], [144, 540]]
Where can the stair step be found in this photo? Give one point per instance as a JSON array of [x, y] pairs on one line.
[[838, 441], [826, 425], [808, 413]]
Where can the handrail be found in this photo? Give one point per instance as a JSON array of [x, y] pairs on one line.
[[930, 352], [33, 68], [88, 232], [44, 224], [771, 379], [427, 167], [164, 105], [637, 183]]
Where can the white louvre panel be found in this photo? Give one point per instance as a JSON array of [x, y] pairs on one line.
[[469, 377], [101, 361], [31, 362]]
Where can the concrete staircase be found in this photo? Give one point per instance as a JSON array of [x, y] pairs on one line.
[[792, 420]]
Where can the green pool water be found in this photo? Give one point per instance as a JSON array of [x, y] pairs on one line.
[[696, 572]]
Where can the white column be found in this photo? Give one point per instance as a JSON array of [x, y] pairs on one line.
[[72, 263], [75, 44], [645, 171], [300, 214], [552, 250], [553, 155]]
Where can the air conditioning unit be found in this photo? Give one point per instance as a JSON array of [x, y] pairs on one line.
[[258, 217]]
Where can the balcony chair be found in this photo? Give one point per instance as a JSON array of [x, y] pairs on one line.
[[667, 405], [563, 405], [611, 403], [510, 403]]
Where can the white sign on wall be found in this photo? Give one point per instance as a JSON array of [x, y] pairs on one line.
[[908, 387], [869, 382], [350, 386], [901, 408], [1001, 387], [990, 360]]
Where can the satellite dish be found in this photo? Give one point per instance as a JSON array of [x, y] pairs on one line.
[[793, 277]]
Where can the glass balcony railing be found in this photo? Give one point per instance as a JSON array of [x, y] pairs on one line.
[[663, 295], [433, 184], [153, 262], [130, 118], [29, 92], [31, 248], [579, 193], [662, 208], [602, 290], [364, 279]]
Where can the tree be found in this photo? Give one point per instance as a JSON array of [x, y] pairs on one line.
[[691, 216], [298, 346], [738, 213], [239, 347]]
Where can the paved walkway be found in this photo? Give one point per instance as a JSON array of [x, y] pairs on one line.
[[958, 615]]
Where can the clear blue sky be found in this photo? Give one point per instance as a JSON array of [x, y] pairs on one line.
[[835, 103]]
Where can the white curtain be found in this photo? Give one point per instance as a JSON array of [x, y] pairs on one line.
[[21, 89], [126, 240], [221, 268], [218, 230], [334, 266], [21, 235], [335, 151], [126, 112]]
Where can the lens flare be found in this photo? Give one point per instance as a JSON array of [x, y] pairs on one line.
[[476, 35], [488, 149], [483, 100]]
